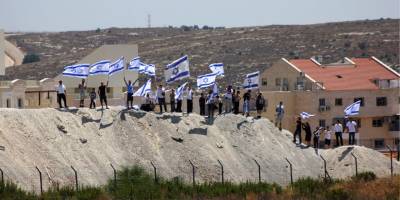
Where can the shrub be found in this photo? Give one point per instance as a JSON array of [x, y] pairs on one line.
[[30, 58], [364, 176]]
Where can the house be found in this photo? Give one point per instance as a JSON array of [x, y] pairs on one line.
[[305, 85]]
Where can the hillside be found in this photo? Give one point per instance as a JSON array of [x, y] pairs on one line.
[[243, 50], [90, 141]]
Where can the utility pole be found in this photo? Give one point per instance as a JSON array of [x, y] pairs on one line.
[[148, 21]]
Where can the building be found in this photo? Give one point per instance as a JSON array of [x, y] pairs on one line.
[[326, 89], [2, 53], [116, 89]]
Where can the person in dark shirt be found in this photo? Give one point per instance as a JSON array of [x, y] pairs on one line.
[[246, 103], [202, 103], [172, 100], [92, 96], [298, 130], [102, 94], [307, 129]]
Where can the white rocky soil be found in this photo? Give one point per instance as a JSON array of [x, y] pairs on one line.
[[91, 140]]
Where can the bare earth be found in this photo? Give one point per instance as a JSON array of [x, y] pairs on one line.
[[90, 141]]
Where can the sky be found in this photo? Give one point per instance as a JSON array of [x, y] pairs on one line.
[[66, 15]]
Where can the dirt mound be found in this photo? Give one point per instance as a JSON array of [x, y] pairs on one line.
[[91, 140]]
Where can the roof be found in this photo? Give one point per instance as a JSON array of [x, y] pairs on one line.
[[356, 74]]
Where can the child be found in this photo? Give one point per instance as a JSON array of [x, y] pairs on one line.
[[92, 96], [317, 133], [328, 134]]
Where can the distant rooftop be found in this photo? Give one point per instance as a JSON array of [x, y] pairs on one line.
[[351, 74]]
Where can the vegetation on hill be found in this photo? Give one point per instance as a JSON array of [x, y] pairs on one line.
[[135, 183]]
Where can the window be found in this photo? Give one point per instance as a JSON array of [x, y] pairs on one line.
[[338, 102], [285, 84], [322, 123], [361, 99], [378, 122], [381, 101], [379, 143], [322, 102], [278, 82], [264, 82], [8, 102], [20, 103]]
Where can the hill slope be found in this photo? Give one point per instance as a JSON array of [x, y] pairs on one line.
[[90, 140]]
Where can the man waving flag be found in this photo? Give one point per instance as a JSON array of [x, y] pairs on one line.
[[177, 70]]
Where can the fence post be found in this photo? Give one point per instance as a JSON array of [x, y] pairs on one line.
[[326, 171], [76, 178], [115, 175], [259, 170], [155, 172], [291, 171], [391, 159], [222, 171], [355, 160], [2, 177], [41, 180], [193, 173]]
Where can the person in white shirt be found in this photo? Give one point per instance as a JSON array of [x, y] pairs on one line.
[[338, 128], [228, 99], [161, 98], [328, 134], [189, 100], [351, 129], [61, 91], [280, 111]]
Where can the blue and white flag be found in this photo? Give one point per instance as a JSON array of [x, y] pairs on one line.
[[217, 68], [179, 91], [177, 70], [207, 80], [149, 69], [135, 64], [353, 109], [117, 66], [251, 81], [215, 90], [101, 67], [305, 115], [142, 91], [79, 70]]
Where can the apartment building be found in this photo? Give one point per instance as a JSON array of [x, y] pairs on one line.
[[305, 85]]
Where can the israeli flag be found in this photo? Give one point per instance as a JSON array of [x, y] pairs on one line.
[[206, 80], [142, 91], [149, 69], [215, 90], [217, 68], [134, 64], [117, 66], [101, 67], [177, 70], [353, 109], [79, 70], [179, 91], [305, 115], [251, 81]]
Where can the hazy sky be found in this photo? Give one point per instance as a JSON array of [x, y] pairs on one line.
[[57, 15]]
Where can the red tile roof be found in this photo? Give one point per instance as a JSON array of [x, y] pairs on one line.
[[346, 77]]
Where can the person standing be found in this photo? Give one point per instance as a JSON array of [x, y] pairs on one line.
[[351, 129], [202, 104], [327, 136], [189, 100], [338, 128], [129, 93], [92, 96], [307, 129], [260, 104], [246, 103], [179, 102], [297, 132], [280, 111], [82, 93], [210, 106], [228, 99], [161, 98], [237, 102], [220, 104], [61, 94], [317, 133], [172, 100], [103, 94]]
